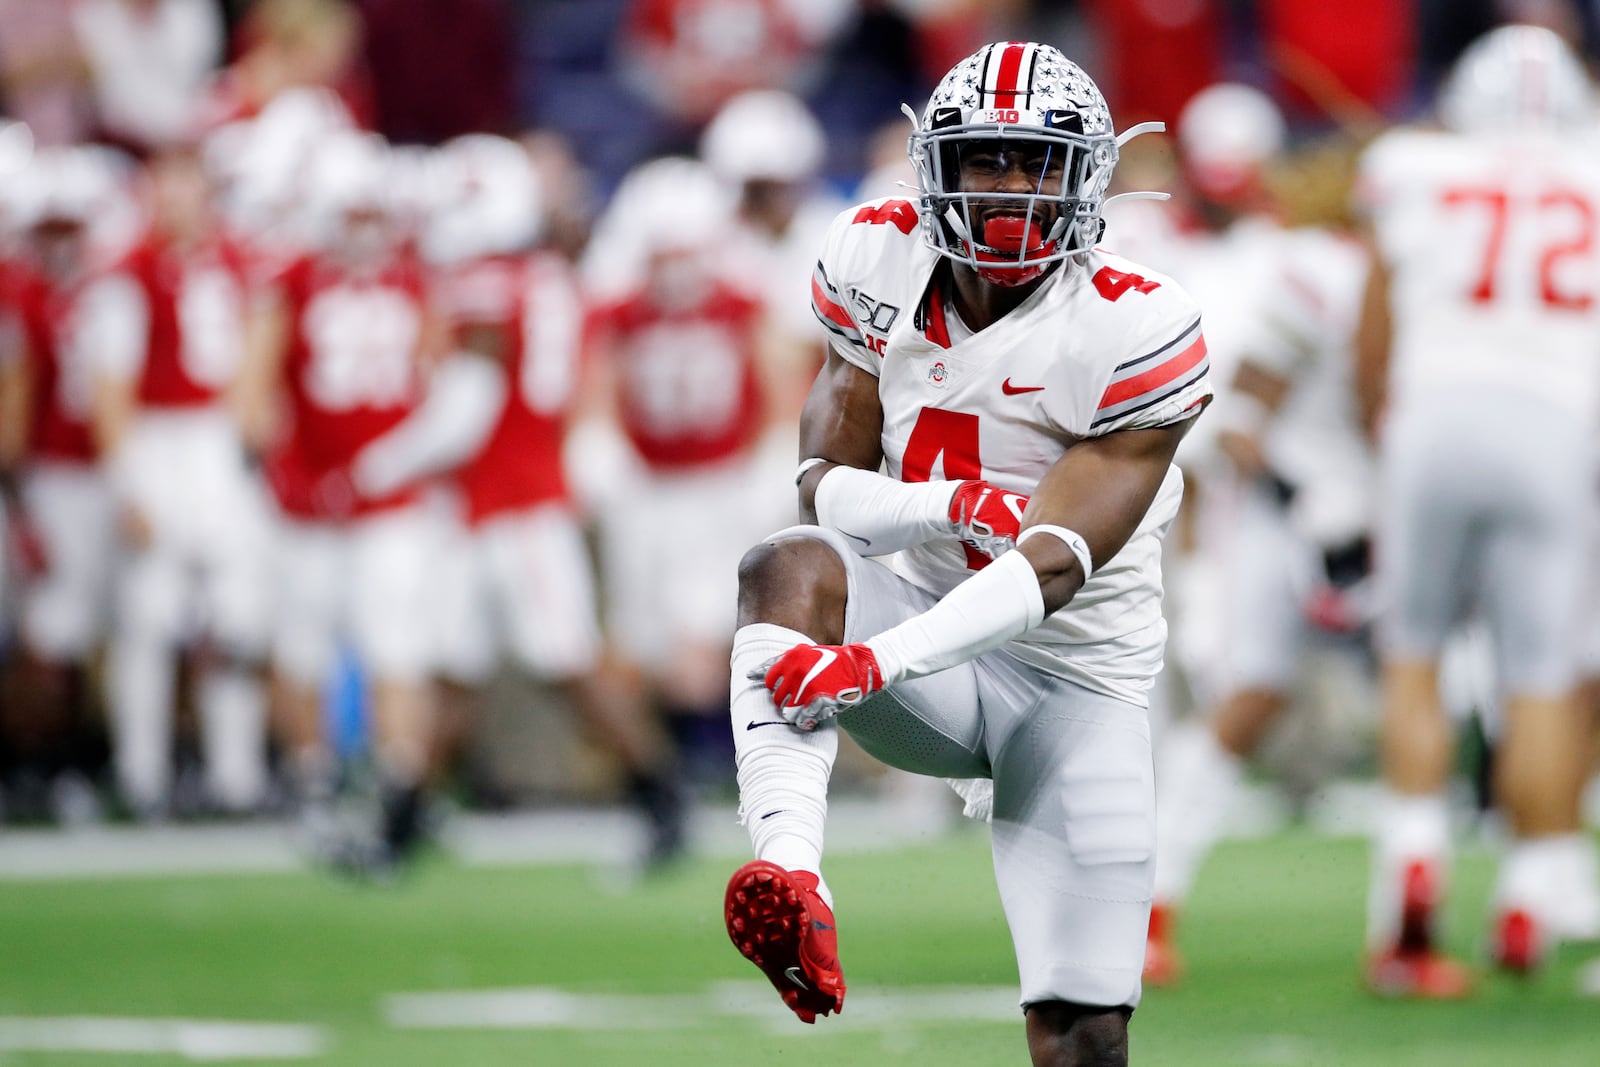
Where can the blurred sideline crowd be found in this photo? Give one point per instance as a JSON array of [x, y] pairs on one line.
[[352, 354]]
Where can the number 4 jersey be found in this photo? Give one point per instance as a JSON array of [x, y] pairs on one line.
[[1102, 345]]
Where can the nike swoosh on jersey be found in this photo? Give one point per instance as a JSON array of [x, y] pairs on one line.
[[857, 537], [774, 722], [1013, 390]]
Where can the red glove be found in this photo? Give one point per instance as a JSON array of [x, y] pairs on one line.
[[811, 683], [986, 517]]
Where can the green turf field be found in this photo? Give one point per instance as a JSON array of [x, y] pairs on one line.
[[1271, 938]]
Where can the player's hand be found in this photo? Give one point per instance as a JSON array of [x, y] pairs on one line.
[[987, 517], [811, 683]]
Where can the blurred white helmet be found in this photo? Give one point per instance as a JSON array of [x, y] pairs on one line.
[[483, 199], [89, 185], [260, 164], [1516, 78], [347, 173], [674, 204], [765, 134], [1227, 133]]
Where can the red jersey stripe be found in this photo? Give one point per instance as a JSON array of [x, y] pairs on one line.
[[829, 310], [1156, 376], [938, 330]]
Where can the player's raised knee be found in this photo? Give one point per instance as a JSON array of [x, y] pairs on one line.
[[796, 582]]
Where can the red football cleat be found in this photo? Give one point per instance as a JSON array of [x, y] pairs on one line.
[[779, 923], [1420, 975], [1518, 945], [1162, 964], [1412, 967]]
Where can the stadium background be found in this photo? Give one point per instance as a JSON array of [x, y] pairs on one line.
[[212, 920]]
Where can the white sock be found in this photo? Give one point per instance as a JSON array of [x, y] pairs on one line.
[[1409, 829], [783, 772], [232, 704], [141, 670], [1553, 877], [1196, 783]]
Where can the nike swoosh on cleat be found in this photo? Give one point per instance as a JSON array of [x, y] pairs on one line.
[[754, 725], [795, 975], [855, 537], [1014, 390], [818, 924]]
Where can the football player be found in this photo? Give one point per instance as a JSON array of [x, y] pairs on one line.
[[516, 574], [61, 513], [1478, 352], [194, 568], [345, 337], [989, 606], [680, 351], [1295, 563]]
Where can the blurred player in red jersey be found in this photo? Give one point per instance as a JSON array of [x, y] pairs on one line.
[[61, 512], [515, 574], [1484, 311], [195, 523], [344, 339], [681, 351], [987, 464]]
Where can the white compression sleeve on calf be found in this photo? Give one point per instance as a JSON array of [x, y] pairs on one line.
[[453, 421], [880, 515], [783, 772], [1000, 602]]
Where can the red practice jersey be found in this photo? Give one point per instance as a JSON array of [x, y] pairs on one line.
[[351, 375], [61, 366], [194, 302], [535, 302], [690, 394]]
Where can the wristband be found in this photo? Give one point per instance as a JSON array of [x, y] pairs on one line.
[[807, 465], [1071, 538]]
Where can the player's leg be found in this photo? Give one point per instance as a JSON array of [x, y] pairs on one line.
[[141, 675], [468, 646], [232, 699], [311, 574], [62, 619], [1429, 508], [1202, 762], [1534, 609], [389, 628], [806, 585], [540, 572], [1074, 854], [1076, 1035]]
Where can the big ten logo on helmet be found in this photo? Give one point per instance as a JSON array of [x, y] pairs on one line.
[[999, 114], [876, 318]]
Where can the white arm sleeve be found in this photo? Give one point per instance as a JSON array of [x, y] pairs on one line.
[[1001, 602], [115, 321], [452, 422], [880, 515]]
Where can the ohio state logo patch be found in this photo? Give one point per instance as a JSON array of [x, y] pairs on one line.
[[937, 373]]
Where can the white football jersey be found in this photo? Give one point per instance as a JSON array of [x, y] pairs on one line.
[[1310, 312], [1495, 262], [1102, 345]]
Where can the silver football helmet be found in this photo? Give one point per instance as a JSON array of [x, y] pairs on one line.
[[1516, 78], [1026, 95]]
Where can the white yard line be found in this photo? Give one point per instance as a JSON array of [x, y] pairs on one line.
[[200, 1040], [543, 1008]]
